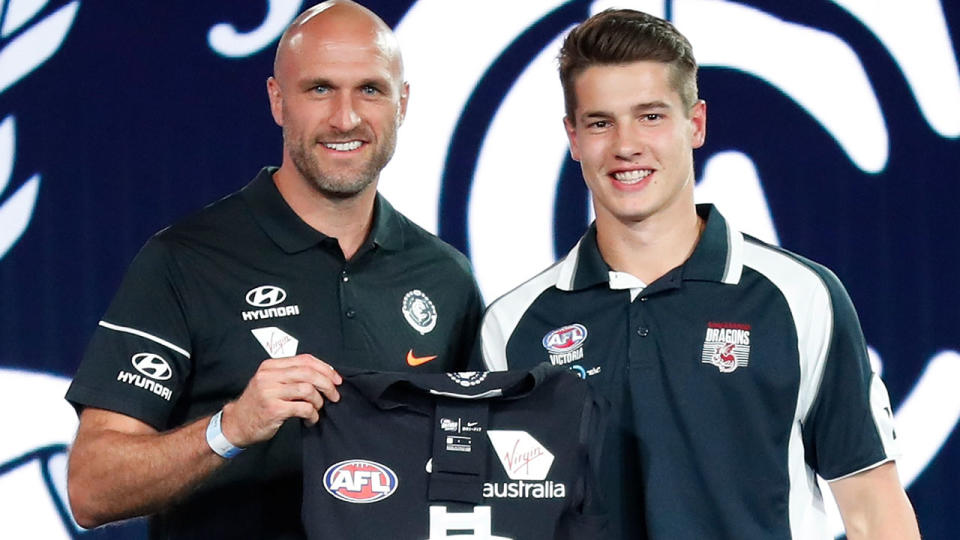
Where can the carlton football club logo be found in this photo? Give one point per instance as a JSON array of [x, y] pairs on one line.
[[419, 311], [467, 379], [727, 346], [360, 481]]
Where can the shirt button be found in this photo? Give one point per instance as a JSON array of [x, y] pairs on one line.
[[643, 332], [344, 276], [350, 313]]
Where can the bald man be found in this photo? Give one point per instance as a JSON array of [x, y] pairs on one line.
[[229, 326]]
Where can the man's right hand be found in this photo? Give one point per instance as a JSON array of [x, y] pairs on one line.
[[282, 388]]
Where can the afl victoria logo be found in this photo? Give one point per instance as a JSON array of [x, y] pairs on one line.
[[152, 366], [266, 296], [566, 339], [360, 481]]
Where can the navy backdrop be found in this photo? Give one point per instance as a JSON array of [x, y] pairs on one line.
[[833, 131]]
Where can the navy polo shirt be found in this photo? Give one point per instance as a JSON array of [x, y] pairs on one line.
[[245, 279], [736, 377]]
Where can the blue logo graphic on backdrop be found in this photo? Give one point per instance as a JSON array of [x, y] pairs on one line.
[[28, 40]]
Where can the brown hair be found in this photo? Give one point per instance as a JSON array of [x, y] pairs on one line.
[[620, 36]]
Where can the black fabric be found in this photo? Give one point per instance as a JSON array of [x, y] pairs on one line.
[[373, 429]]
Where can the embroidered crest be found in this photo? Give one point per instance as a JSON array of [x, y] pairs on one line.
[[727, 346], [419, 311], [467, 379]]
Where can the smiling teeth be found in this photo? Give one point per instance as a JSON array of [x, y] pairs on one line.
[[632, 177], [343, 147]]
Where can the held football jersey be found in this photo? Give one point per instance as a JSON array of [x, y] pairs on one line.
[[505, 455]]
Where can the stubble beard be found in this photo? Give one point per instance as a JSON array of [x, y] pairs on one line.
[[338, 184]]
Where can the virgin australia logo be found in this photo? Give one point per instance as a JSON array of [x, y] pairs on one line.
[[27, 41]]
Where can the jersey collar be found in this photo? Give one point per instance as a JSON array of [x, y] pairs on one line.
[[717, 257], [389, 390], [292, 234]]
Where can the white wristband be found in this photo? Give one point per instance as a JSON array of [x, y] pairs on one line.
[[215, 438]]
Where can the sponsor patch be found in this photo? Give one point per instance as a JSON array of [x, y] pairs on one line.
[[459, 425], [727, 346], [360, 481], [527, 464], [583, 372], [267, 298], [522, 456], [152, 365], [276, 342], [419, 311], [565, 344], [151, 368]]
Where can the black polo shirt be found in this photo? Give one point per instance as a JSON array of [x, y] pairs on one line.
[[208, 299], [506, 454], [737, 376]]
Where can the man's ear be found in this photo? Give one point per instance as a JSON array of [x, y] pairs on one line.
[[571, 129], [276, 100]]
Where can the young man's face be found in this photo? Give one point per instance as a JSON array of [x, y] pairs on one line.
[[634, 140]]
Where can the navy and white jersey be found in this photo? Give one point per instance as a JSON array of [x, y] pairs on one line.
[[245, 279], [734, 379], [425, 456]]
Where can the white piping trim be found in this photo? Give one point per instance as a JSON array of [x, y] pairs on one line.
[[734, 269], [143, 334], [854, 473]]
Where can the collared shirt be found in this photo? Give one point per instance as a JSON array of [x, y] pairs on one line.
[[737, 376], [245, 279], [497, 455]]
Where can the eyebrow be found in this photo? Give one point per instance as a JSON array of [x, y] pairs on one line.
[[650, 106], [639, 108]]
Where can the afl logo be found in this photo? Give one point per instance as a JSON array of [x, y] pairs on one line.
[[266, 296], [360, 481], [419, 311], [565, 339], [152, 366]]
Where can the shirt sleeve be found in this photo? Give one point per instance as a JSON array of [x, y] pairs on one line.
[[138, 359], [849, 427]]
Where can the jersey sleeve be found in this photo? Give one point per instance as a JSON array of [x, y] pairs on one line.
[[138, 359], [849, 427]]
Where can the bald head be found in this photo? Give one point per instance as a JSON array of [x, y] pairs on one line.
[[337, 21]]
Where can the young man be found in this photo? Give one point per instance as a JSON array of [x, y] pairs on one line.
[[736, 370], [306, 262]]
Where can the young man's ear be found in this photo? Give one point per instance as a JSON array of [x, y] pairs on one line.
[[571, 129], [698, 122]]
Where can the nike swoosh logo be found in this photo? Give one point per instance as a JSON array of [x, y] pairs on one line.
[[417, 360]]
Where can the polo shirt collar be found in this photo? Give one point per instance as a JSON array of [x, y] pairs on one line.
[[718, 257], [292, 234]]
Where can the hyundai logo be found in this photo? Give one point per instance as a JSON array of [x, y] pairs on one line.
[[152, 366], [266, 296]]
